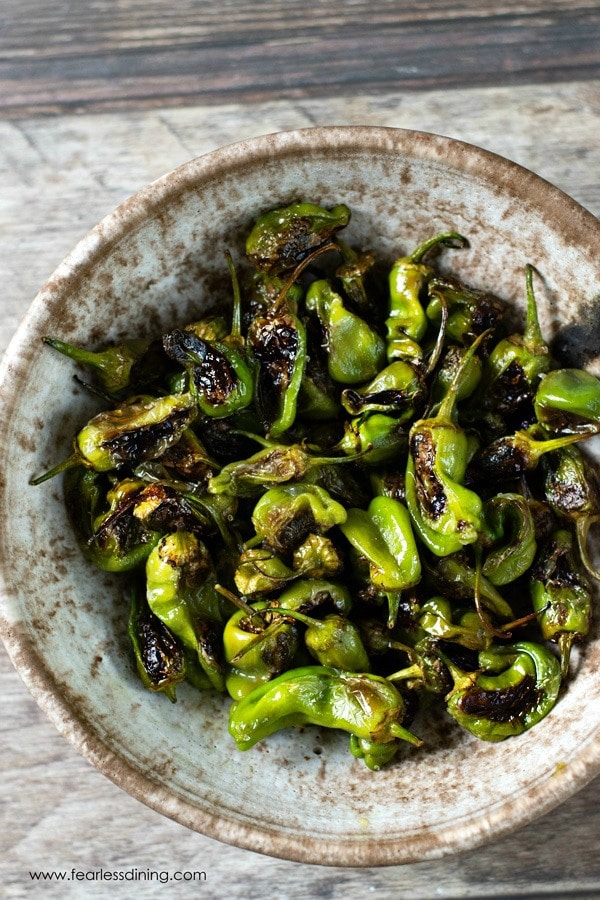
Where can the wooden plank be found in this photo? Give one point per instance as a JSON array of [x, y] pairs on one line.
[[108, 55]]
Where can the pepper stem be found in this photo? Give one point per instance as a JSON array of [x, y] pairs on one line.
[[565, 642], [405, 735], [73, 352], [331, 245], [532, 336], [582, 530], [236, 319], [439, 343], [447, 239], [69, 463], [447, 405]]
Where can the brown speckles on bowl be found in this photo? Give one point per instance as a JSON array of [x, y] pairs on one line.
[[157, 261]]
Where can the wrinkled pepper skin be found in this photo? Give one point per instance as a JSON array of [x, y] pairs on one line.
[[159, 658], [568, 401], [561, 594], [355, 352], [256, 649], [395, 389], [285, 516], [407, 322], [281, 238], [220, 379], [511, 530], [516, 687], [366, 706], [278, 345], [180, 592]]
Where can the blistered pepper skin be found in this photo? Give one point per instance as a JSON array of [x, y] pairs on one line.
[[366, 706]]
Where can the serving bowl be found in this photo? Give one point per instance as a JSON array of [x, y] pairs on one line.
[[158, 261]]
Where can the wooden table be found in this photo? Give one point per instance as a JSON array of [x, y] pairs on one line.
[[97, 99]]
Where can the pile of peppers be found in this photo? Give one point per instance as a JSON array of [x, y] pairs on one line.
[[358, 496]]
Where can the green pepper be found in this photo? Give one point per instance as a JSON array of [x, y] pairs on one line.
[[333, 641], [159, 659], [568, 401], [395, 389], [437, 617], [220, 379], [510, 456], [258, 646], [470, 311], [282, 238], [351, 274], [313, 593], [113, 365], [511, 534], [446, 514], [260, 571], [383, 535], [561, 595], [355, 352], [515, 366], [455, 578], [407, 322], [140, 428], [377, 438], [276, 464], [120, 541], [517, 686], [452, 362], [572, 489], [284, 516], [367, 706], [278, 345], [180, 590]]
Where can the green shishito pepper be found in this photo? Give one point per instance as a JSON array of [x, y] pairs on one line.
[[568, 400], [113, 365], [407, 322], [220, 379], [282, 238], [140, 428], [277, 342], [397, 389], [159, 658], [446, 514], [334, 641], [511, 530], [284, 516], [377, 438], [367, 706], [470, 311], [258, 646], [561, 594], [180, 591], [515, 687], [572, 490], [355, 352], [516, 364], [383, 535]]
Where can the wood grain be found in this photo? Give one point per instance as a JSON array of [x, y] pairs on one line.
[[60, 57]]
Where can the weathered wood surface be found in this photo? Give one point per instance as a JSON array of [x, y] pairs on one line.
[[58, 57], [59, 174]]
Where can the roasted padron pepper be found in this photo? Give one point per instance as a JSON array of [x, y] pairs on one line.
[[345, 495]]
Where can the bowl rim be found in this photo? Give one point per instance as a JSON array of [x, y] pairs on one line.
[[96, 244]]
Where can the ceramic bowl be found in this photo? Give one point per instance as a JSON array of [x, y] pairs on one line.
[[157, 261]]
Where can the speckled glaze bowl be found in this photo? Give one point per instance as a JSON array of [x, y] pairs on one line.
[[157, 261]]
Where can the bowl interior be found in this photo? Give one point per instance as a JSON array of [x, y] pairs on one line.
[[159, 261]]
